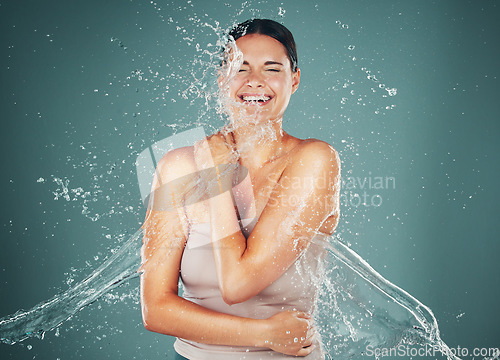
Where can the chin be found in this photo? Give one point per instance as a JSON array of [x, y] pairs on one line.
[[249, 114]]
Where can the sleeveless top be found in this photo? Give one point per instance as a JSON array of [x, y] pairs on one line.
[[296, 289]]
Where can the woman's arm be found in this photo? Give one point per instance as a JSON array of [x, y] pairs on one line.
[[306, 195], [163, 311]]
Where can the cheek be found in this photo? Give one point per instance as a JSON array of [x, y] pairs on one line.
[[280, 85], [235, 85]]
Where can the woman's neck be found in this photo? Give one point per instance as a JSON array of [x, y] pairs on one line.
[[260, 143]]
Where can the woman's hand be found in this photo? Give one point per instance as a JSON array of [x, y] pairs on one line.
[[216, 149], [291, 333], [216, 158]]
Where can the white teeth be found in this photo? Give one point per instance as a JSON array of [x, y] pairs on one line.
[[255, 98]]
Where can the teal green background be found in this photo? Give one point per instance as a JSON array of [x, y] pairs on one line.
[[73, 107]]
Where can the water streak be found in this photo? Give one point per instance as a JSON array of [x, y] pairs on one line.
[[120, 267], [374, 311], [415, 323]]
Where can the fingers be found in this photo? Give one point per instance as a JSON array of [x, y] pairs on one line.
[[306, 351], [303, 315], [228, 137], [307, 344], [220, 147], [203, 155], [310, 338], [308, 317]]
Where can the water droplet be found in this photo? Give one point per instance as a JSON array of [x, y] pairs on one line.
[[392, 92]]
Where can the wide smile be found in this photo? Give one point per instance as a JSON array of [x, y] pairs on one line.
[[255, 99]]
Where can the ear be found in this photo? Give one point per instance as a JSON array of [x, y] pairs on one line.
[[295, 80]]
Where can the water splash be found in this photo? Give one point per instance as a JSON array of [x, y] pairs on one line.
[[356, 297], [48, 315], [370, 310]]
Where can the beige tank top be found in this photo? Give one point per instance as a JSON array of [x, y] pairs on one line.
[[297, 289]]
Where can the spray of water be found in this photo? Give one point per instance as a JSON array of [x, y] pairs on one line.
[[121, 266]]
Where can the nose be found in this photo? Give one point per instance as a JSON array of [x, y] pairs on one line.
[[255, 80]]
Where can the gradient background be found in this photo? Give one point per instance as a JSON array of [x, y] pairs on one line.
[[77, 106]]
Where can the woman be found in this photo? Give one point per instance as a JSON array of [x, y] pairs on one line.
[[247, 249]]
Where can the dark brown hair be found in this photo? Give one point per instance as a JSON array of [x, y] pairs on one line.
[[270, 28]]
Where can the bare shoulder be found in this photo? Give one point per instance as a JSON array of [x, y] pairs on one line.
[[176, 163], [175, 175], [316, 153]]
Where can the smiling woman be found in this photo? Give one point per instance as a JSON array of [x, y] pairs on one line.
[[246, 257], [268, 74], [265, 77], [416, 164]]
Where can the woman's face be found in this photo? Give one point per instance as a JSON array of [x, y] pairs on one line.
[[262, 87]]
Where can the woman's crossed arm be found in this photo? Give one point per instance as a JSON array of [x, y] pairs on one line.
[[165, 234], [305, 196]]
